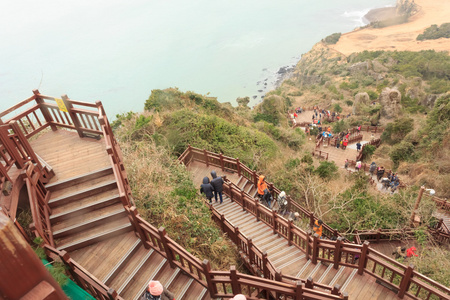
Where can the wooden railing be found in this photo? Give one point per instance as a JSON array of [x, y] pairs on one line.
[[82, 277], [375, 142], [404, 280], [227, 283], [38, 197], [381, 235]]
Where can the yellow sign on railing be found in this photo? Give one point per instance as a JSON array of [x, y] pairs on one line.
[[61, 105]]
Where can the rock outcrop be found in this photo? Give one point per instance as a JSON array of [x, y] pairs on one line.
[[361, 101], [390, 103]]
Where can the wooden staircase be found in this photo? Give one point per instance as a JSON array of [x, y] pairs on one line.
[[89, 222], [289, 259]]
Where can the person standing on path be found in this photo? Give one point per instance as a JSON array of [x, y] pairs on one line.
[[380, 173], [262, 185], [217, 184], [358, 146], [207, 189], [155, 291], [317, 228]]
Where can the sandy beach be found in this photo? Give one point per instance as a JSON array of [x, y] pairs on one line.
[[400, 37]]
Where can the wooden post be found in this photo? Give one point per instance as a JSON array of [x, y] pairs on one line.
[[221, 161], [416, 206], [21, 271], [265, 269], [112, 294], [315, 250], [236, 288], [251, 254], [308, 247], [205, 154], [243, 200], [238, 166], [274, 218], [279, 278], [336, 289], [222, 222], [311, 219], [290, 234], [255, 178], [134, 213], [169, 253], [44, 110], [73, 116], [212, 288], [236, 236], [363, 258], [257, 209], [406, 281], [299, 290], [337, 253], [309, 283]]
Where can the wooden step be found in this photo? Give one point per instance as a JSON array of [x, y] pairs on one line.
[[121, 264], [142, 289], [88, 207], [182, 293], [79, 179], [86, 202], [302, 270], [349, 279], [240, 180], [134, 265], [89, 223], [104, 186], [83, 241]]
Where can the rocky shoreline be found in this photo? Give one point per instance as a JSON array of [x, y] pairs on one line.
[[380, 14]]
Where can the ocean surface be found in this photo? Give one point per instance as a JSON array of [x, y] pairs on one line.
[[118, 51]]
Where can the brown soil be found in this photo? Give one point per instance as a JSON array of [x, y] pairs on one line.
[[400, 37]]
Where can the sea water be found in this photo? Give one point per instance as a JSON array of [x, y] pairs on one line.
[[118, 51]]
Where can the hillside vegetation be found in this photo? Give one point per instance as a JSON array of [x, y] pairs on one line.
[[415, 143]]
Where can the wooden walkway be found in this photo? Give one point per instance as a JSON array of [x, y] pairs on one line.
[[89, 221], [289, 259]]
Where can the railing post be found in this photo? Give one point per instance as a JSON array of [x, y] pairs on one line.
[[311, 219], [265, 269], [336, 289], [205, 154], [363, 258], [242, 200], [406, 281], [274, 218], [72, 115], [221, 161], [308, 246], [134, 213], [337, 253], [257, 209], [222, 222], [44, 110], [315, 249], [236, 288], [290, 234], [170, 257], [299, 290], [112, 294], [255, 178], [207, 271], [309, 283], [278, 277], [251, 255], [236, 236], [238, 166]]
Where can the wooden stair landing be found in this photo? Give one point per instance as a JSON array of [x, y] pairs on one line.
[[89, 221]]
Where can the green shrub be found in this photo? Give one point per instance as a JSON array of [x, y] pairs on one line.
[[337, 108], [332, 88], [327, 170], [349, 102], [397, 130], [368, 151], [270, 118], [332, 38], [372, 95], [404, 151], [435, 32]]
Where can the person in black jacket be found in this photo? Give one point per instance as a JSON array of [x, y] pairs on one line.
[[217, 184], [207, 189]]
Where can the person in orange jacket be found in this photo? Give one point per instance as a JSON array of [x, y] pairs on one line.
[[262, 185], [318, 227]]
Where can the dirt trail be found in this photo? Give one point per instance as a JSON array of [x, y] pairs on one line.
[[400, 37]]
